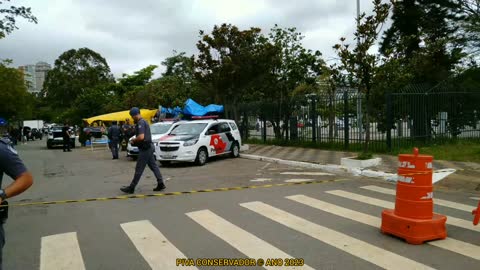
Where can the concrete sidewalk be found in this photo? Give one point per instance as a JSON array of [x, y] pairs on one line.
[[467, 177]]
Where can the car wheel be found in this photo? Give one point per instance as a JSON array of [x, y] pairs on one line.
[[49, 146], [202, 157], [235, 150], [165, 163]]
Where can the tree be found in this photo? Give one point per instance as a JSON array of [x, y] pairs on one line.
[[74, 72], [139, 78], [360, 65], [179, 65], [228, 63], [424, 35], [8, 22], [293, 66], [15, 101], [471, 24]]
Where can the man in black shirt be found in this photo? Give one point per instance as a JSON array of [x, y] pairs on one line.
[[143, 140], [66, 138]]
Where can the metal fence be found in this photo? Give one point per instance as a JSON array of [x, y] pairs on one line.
[[339, 121]]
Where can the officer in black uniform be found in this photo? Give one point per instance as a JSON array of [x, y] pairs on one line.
[[11, 165], [143, 141], [114, 136], [66, 138]]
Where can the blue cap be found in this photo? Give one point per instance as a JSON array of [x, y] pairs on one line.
[[134, 111]]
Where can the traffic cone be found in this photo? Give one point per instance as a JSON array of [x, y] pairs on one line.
[[476, 215], [413, 218]]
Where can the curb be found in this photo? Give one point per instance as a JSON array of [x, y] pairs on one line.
[[333, 168]]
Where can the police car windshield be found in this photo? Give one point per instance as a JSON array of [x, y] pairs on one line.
[[189, 129], [160, 129]]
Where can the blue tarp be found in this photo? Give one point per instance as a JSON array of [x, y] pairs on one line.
[[3, 122], [174, 112], [194, 109]]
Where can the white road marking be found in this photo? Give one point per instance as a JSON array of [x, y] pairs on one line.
[[261, 180], [460, 247], [153, 245], [306, 173], [61, 252], [386, 204], [266, 165], [297, 180], [243, 241], [358, 248], [450, 204], [475, 198]]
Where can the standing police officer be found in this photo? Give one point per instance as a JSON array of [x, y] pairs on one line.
[[66, 138], [11, 165], [143, 141], [114, 136]]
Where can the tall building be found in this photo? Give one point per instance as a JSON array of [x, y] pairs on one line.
[[30, 77], [41, 70], [34, 76]]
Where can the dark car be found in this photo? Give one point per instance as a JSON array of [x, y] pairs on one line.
[[55, 137], [27, 132], [37, 134]]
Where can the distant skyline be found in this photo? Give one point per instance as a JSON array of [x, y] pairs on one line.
[[34, 75], [132, 35]]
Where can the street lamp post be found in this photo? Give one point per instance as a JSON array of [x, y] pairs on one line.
[[359, 94]]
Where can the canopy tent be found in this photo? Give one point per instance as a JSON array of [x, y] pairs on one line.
[[121, 116]]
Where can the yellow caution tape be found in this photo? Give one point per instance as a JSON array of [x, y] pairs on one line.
[[143, 196]]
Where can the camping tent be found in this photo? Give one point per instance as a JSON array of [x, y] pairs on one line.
[[121, 116]]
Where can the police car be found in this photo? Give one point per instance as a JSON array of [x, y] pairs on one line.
[[158, 130], [198, 140]]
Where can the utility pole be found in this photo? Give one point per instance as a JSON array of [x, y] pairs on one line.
[[359, 94]]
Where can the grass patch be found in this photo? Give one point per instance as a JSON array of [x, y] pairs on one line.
[[453, 150], [468, 151]]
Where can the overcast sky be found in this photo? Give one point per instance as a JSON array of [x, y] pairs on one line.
[[133, 34]]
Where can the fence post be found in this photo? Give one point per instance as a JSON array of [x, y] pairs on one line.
[[264, 128], [314, 119], [389, 120], [346, 120]]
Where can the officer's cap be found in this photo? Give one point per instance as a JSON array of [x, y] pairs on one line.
[[134, 111]]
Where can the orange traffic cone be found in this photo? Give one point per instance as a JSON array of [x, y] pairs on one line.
[[476, 215], [413, 218]]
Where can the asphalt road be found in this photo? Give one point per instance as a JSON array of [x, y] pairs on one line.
[[330, 227]]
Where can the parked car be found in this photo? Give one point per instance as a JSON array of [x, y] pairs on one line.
[[158, 130], [55, 137], [198, 140], [27, 132], [37, 134]]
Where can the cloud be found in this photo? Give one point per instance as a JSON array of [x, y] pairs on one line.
[[134, 34]]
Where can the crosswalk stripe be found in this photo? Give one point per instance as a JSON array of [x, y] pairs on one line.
[[61, 252], [153, 245], [386, 204], [450, 244], [475, 198], [297, 180], [306, 173], [240, 239], [450, 204], [358, 248]]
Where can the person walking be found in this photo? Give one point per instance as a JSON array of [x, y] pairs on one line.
[[66, 138], [143, 140], [114, 137], [11, 165]]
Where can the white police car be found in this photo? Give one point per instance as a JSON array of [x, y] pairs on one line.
[[158, 130], [197, 140]]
